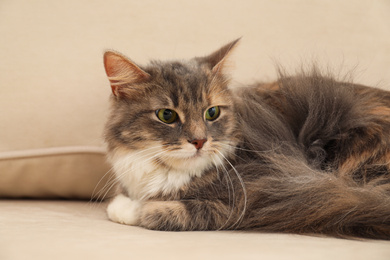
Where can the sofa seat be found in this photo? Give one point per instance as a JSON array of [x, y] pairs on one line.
[[51, 229]]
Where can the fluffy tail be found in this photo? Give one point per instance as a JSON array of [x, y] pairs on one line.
[[291, 197]]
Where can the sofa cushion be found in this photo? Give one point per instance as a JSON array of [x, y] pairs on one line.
[[80, 230], [64, 172]]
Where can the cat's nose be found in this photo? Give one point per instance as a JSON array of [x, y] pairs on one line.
[[198, 143]]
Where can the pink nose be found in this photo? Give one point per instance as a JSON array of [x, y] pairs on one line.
[[198, 143]]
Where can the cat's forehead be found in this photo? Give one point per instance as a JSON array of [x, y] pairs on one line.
[[174, 72], [183, 83]]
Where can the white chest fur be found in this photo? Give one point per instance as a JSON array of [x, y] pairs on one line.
[[144, 178]]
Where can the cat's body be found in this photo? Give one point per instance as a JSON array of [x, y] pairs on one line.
[[306, 154]]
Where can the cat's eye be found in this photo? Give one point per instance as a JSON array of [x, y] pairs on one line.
[[213, 113], [167, 116]]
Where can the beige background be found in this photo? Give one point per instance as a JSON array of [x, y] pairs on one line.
[[53, 91]]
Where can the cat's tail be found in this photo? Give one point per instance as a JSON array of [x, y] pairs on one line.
[[294, 198]]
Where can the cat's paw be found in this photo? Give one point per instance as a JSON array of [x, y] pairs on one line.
[[124, 210], [164, 215]]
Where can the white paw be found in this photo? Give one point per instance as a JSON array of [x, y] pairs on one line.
[[124, 210]]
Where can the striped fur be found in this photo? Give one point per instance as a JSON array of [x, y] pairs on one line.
[[305, 154]]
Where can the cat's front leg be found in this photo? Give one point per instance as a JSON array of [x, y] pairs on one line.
[[183, 215], [124, 210], [174, 215]]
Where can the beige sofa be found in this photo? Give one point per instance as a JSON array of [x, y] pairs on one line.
[[54, 102]]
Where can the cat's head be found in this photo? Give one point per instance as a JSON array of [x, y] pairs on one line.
[[177, 114]]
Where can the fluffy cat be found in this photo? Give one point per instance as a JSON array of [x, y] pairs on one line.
[[305, 154]]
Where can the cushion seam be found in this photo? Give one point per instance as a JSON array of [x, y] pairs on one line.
[[52, 151]]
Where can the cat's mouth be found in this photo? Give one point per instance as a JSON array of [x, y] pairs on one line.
[[188, 160]]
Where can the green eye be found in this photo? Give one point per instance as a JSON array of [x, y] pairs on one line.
[[166, 115], [212, 113]]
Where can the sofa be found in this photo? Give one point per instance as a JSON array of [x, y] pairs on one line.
[[54, 178]]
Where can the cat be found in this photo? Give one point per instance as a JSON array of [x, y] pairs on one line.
[[306, 154]]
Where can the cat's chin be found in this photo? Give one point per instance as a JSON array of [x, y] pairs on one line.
[[194, 161], [190, 160]]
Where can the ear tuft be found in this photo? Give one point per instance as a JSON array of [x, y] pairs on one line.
[[217, 60], [122, 71]]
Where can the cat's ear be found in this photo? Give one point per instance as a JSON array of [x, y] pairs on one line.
[[121, 71], [217, 60]]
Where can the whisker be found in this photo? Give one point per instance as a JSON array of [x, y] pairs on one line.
[[232, 149], [231, 196], [108, 188], [94, 193], [243, 189], [99, 194], [123, 172], [154, 156]]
